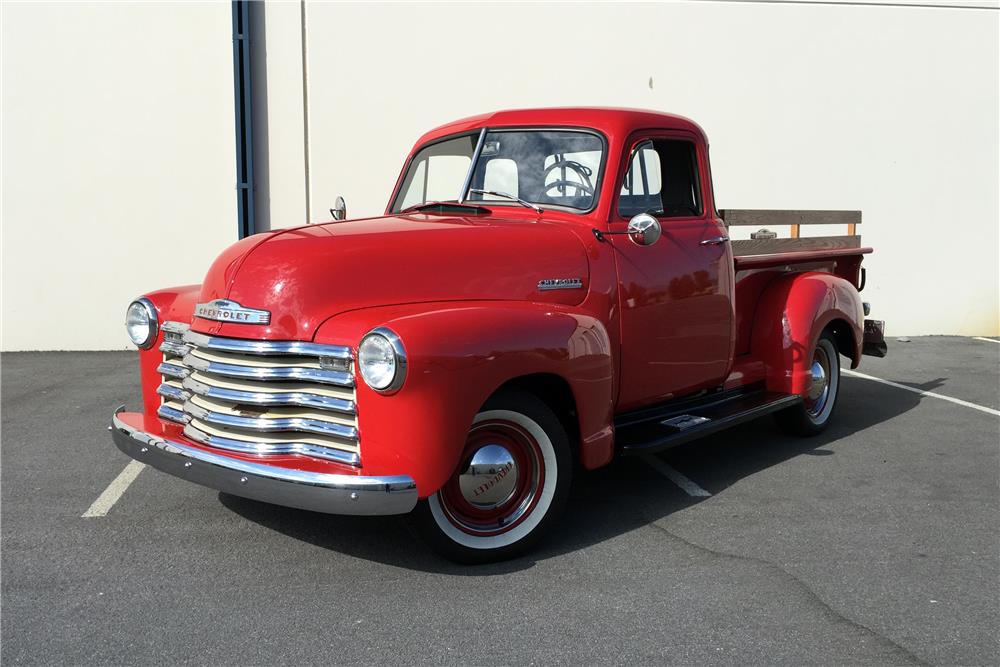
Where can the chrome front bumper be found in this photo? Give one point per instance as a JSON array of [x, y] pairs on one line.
[[319, 492]]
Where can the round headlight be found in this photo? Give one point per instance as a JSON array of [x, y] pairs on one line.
[[140, 322], [382, 360]]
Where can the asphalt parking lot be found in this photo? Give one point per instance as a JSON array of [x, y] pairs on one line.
[[877, 542]]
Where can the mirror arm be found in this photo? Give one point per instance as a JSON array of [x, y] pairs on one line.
[[599, 235]]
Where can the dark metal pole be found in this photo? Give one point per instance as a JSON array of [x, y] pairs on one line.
[[244, 118]]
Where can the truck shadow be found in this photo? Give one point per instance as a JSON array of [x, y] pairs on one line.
[[612, 501]]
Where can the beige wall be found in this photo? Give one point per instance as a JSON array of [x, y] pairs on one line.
[[892, 110], [118, 162], [119, 158]]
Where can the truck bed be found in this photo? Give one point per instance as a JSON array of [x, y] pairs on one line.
[[768, 252], [759, 261]]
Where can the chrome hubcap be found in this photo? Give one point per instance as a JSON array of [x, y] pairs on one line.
[[818, 381], [490, 478], [497, 484], [819, 386]]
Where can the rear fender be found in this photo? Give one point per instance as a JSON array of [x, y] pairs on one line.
[[458, 354], [791, 315]]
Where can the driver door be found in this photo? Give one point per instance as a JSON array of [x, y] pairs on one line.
[[676, 294]]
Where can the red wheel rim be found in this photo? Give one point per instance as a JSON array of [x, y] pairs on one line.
[[525, 454]]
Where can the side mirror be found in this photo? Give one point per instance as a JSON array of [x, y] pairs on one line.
[[339, 210], [644, 229]]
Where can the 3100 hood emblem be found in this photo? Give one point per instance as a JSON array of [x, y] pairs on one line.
[[560, 283], [224, 310]]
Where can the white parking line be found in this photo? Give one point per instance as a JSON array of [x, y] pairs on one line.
[[680, 480], [988, 340], [115, 489], [981, 408]]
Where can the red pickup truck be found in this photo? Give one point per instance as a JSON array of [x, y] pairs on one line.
[[546, 290]]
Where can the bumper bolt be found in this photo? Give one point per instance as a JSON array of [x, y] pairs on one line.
[[187, 464], [144, 450], [244, 480], [354, 495]]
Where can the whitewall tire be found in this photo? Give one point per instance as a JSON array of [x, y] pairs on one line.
[[813, 415], [511, 482]]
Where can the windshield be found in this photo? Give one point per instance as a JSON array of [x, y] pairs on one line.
[[550, 168]]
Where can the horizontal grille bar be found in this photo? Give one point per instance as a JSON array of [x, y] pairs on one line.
[[267, 347], [260, 397], [175, 327], [172, 393], [175, 349], [339, 378], [271, 424], [299, 398], [172, 370], [172, 413], [254, 447]]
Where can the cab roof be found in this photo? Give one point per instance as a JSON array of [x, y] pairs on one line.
[[613, 123]]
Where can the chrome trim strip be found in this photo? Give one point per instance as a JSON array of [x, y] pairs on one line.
[[339, 378], [300, 398], [175, 327], [249, 447], [272, 424], [172, 370], [472, 166], [265, 347], [176, 349], [172, 414], [172, 392], [319, 492]]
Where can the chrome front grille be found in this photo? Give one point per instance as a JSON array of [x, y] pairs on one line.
[[261, 397]]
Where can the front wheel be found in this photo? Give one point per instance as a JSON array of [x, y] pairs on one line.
[[813, 415], [511, 483]]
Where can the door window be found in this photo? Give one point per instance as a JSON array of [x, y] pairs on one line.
[[662, 179]]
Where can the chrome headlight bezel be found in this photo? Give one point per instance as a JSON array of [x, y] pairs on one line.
[[152, 322], [399, 360]]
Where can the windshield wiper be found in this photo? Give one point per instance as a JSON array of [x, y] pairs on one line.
[[538, 209]]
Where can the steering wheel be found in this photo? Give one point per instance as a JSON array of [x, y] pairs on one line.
[[584, 186]]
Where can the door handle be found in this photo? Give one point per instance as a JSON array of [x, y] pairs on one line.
[[718, 240]]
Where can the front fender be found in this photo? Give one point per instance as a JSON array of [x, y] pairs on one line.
[[172, 304], [791, 315], [458, 354]]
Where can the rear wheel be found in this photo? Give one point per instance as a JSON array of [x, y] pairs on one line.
[[511, 483], [813, 415]]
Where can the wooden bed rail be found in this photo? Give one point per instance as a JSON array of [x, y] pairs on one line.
[[762, 218]]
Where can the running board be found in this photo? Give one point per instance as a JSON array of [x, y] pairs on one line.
[[656, 435]]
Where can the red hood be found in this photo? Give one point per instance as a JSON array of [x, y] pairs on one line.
[[306, 275]]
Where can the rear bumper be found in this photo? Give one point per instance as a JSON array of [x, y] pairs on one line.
[[319, 492], [873, 344]]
